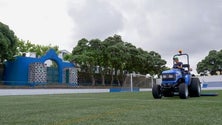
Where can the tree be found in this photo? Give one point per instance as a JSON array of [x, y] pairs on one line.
[[97, 50], [27, 46], [94, 52], [211, 63], [8, 42], [158, 64], [116, 52], [84, 55]]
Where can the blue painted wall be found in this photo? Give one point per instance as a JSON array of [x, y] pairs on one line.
[[16, 72]]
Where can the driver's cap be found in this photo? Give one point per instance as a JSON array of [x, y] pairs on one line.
[[175, 58]]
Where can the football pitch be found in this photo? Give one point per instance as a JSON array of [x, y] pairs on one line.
[[137, 108]]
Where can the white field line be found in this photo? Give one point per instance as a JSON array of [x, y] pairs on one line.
[[5, 92], [48, 91]]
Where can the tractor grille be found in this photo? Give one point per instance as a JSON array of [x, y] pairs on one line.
[[168, 77]]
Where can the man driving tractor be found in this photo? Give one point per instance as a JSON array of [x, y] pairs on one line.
[[177, 63]]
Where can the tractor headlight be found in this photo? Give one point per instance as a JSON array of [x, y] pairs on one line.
[[168, 77], [164, 76]]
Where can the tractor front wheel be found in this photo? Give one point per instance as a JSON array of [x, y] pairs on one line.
[[183, 91], [156, 91]]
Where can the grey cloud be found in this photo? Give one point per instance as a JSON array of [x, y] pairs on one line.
[[95, 19], [194, 26]]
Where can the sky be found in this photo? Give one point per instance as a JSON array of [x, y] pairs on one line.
[[164, 26]]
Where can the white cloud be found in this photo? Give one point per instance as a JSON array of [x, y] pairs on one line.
[[40, 21]]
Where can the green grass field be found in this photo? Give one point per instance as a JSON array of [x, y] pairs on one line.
[[137, 108]]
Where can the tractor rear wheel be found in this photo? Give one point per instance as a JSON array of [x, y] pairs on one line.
[[183, 91], [156, 91], [195, 88]]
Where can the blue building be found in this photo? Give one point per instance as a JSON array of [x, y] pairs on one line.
[[28, 71]]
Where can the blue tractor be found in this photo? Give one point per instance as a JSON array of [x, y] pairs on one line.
[[178, 81]]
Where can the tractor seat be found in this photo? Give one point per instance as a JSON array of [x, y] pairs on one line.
[[186, 67]]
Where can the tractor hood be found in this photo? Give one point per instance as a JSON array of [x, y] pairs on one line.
[[172, 71]]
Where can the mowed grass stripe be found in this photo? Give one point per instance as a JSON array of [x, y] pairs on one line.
[[109, 108]]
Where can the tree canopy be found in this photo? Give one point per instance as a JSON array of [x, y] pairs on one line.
[[27, 46], [211, 63], [113, 55], [8, 43]]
